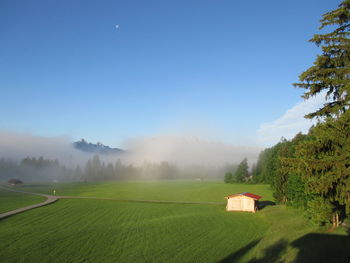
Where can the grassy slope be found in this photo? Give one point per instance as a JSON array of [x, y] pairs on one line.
[[12, 200], [291, 237], [285, 226], [153, 190], [110, 231], [102, 231]]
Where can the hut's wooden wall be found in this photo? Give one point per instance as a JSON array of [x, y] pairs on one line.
[[240, 203]]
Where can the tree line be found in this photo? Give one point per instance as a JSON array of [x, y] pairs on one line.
[[41, 169], [312, 171], [34, 169], [96, 170]]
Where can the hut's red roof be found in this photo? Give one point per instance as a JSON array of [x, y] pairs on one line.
[[255, 197]]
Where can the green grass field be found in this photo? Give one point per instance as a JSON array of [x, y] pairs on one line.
[[88, 230], [110, 231], [11, 200], [195, 191]]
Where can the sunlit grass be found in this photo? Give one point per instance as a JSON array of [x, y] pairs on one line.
[[196, 191], [87, 230], [11, 200], [112, 231]]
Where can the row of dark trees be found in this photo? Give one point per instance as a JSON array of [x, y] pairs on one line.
[[312, 171], [41, 169], [95, 170], [34, 169]]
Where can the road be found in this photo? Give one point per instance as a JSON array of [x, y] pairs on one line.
[[49, 200]]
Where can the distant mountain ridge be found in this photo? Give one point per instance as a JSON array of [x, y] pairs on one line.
[[97, 148]]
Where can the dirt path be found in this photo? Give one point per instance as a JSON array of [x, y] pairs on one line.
[[51, 199]]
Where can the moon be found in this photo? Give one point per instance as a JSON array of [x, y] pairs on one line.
[[116, 26]]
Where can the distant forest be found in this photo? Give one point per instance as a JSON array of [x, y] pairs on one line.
[[40, 169]]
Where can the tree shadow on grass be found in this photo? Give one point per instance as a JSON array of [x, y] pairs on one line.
[[239, 253], [263, 204], [271, 254], [323, 248], [312, 247]]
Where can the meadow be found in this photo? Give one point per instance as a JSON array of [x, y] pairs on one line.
[[12, 200], [90, 230], [190, 191], [109, 231]]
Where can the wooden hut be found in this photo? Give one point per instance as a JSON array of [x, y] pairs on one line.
[[242, 202], [14, 182]]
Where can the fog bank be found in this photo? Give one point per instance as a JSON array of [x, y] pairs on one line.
[[187, 151], [162, 156], [17, 146]]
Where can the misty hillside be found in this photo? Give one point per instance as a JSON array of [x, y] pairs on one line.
[[97, 148]]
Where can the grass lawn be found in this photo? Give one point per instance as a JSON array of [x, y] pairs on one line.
[[196, 191], [291, 237], [11, 200], [88, 230], [111, 231]]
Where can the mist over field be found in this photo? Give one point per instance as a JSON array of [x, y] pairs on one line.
[[17, 146], [160, 157], [187, 151]]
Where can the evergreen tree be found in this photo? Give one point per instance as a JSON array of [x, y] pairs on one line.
[[110, 173], [323, 162], [280, 180], [271, 169], [89, 173], [242, 173], [118, 170], [320, 210], [295, 193], [261, 173], [78, 173], [331, 70], [228, 178], [272, 165]]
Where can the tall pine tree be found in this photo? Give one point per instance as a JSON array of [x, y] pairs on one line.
[[324, 161], [331, 70]]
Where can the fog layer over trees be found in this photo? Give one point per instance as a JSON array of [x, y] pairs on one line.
[[40, 169], [36, 158]]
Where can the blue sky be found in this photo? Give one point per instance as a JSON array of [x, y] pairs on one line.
[[215, 68]]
